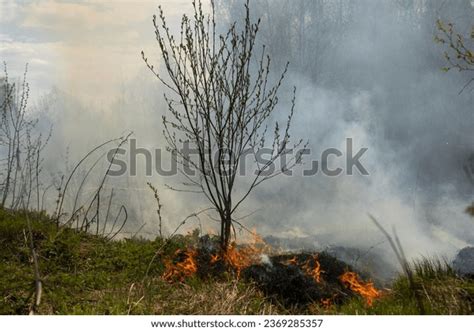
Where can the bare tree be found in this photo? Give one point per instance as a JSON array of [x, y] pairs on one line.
[[223, 99], [20, 146]]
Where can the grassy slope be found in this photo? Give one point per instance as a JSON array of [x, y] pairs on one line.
[[85, 274]]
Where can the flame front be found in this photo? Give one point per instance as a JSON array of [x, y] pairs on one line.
[[237, 258], [181, 270], [366, 290]]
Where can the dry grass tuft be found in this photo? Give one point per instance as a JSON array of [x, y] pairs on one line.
[[217, 298]]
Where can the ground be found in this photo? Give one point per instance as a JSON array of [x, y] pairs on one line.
[[87, 274]]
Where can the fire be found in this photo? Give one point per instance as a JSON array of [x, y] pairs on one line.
[[215, 258], [236, 257], [181, 270], [239, 258], [315, 270], [292, 261], [366, 290]]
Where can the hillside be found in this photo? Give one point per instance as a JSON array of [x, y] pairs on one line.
[[86, 274]]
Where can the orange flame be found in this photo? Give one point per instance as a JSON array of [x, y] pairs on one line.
[[242, 257], [181, 270], [292, 261], [366, 290], [215, 258], [315, 271], [238, 258]]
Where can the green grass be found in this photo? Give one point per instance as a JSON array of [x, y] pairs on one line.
[[86, 274], [441, 291]]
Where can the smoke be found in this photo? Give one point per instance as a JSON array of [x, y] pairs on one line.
[[383, 87], [369, 71]]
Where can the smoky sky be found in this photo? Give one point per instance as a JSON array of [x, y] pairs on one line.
[[371, 70], [366, 70]]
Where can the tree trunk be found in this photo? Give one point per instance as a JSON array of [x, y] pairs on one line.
[[226, 224]]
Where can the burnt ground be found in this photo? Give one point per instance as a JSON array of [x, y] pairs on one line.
[[289, 284], [285, 278]]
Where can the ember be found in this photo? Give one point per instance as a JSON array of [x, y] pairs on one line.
[[326, 303], [215, 258], [292, 261]]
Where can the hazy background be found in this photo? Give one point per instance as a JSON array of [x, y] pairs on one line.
[[368, 70]]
